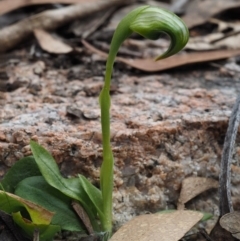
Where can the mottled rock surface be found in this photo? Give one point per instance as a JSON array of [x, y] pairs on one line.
[[164, 128]]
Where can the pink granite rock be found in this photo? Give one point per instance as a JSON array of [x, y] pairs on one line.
[[163, 130]]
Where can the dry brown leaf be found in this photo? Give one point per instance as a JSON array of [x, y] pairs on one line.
[[87, 26], [149, 65], [231, 222], [236, 235], [232, 42], [193, 186], [198, 11], [200, 43], [155, 227], [235, 169], [7, 6], [51, 19], [223, 26], [222, 38], [83, 216], [51, 44]]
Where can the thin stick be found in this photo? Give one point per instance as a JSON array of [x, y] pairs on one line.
[[83, 216], [225, 202]]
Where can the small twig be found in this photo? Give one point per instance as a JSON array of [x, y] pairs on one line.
[[83, 216], [205, 235], [36, 235], [225, 202]]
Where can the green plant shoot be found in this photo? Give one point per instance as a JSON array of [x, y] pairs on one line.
[[149, 22], [31, 177]]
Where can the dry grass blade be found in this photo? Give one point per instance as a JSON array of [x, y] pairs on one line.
[[193, 186], [155, 227], [51, 19]]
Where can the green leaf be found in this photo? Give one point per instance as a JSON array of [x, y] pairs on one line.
[[93, 193], [70, 187], [50, 171], [47, 232], [206, 216], [25, 167], [37, 190], [11, 203]]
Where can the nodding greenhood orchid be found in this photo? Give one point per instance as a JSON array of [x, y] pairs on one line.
[[42, 170], [149, 22]]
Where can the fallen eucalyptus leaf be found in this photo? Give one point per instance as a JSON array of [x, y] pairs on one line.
[[149, 65], [232, 42], [203, 43], [206, 216], [231, 222], [198, 11], [236, 235], [165, 227], [193, 186], [51, 44]]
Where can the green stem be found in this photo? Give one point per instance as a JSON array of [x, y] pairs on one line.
[[148, 22], [106, 176]]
